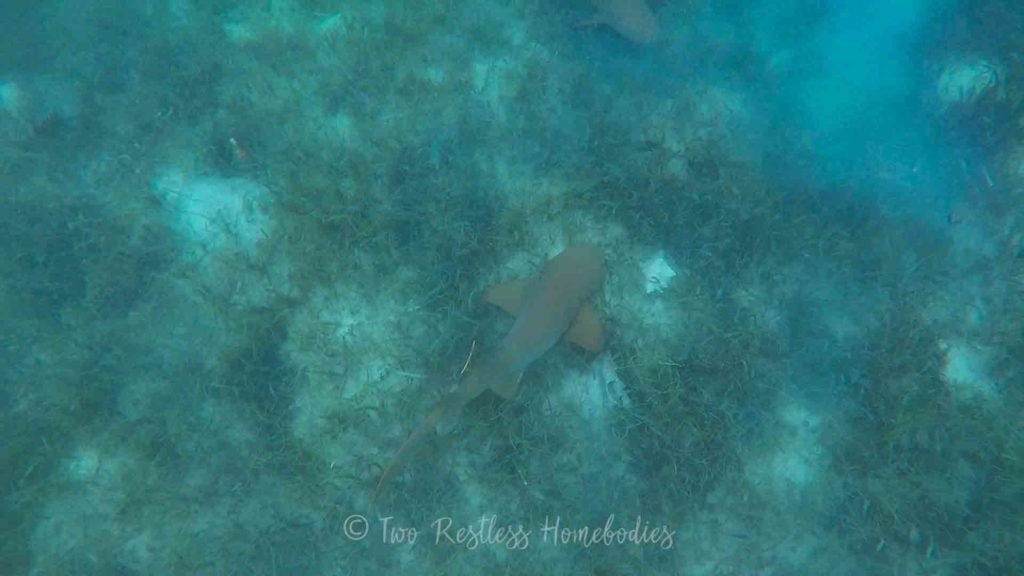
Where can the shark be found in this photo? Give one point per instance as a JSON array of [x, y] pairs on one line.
[[631, 19], [554, 304]]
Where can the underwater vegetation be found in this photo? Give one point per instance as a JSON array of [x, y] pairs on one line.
[[248, 246]]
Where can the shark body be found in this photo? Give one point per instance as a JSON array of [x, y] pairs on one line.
[[552, 305], [632, 19]]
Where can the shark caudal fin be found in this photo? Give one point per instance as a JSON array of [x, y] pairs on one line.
[[450, 405], [407, 447]]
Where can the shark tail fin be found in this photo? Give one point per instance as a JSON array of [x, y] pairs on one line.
[[395, 464]]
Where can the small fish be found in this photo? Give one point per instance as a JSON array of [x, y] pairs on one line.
[[632, 19], [552, 305]]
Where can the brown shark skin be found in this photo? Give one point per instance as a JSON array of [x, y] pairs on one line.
[[550, 303]]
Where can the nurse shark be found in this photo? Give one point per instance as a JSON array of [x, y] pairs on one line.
[[552, 305]]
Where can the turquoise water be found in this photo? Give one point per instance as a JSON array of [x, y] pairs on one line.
[[247, 246]]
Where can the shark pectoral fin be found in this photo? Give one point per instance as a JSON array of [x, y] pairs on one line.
[[585, 331], [508, 295], [508, 388]]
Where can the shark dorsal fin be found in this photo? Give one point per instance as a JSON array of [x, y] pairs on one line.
[[508, 295]]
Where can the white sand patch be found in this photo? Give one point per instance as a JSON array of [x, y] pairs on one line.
[[654, 320], [658, 273], [215, 213], [595, 391], [966, 372], [223, 225], [11, 97], [796, 460], [351, 346], [966, 80]]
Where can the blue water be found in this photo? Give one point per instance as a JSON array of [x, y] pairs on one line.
[[247, 252]]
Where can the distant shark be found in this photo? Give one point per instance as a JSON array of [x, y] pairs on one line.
[[547, 307], [632, 19]]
